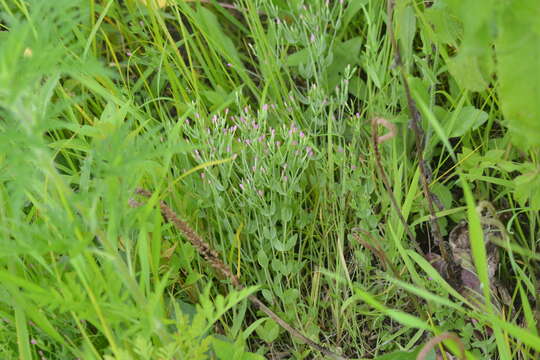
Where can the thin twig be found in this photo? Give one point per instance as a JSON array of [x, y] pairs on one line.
[[454, 272], [376, 141], [374, 246], [215, 262]]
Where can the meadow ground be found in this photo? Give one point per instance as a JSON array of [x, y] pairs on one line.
[[370, 174]]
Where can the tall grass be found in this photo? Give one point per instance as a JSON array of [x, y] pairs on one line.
[[253, 122]]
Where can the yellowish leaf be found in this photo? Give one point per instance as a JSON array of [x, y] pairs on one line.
[[159, 3]]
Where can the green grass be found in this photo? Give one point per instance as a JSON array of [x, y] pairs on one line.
[[254, 125]]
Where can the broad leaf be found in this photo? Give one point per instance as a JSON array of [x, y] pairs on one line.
[[468, 118], [466, 69], [518, 70]]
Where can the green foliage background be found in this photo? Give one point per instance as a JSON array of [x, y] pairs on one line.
[[253, 124]]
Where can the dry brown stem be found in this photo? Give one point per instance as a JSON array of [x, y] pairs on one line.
[[453, 268], [376, 141]]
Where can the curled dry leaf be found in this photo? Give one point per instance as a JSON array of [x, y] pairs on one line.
[[392, 131], [460, 247], [422, 355]]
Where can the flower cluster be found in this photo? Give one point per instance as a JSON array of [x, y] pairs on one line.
[[262, 155]]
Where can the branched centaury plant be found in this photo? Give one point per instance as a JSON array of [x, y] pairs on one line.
[[212, 257], [454, 270]]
